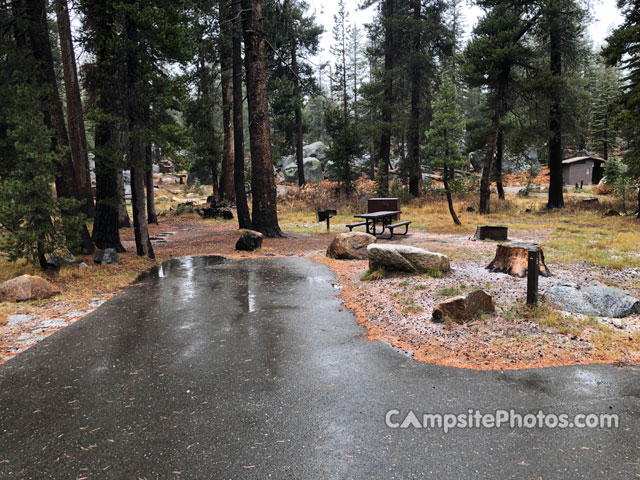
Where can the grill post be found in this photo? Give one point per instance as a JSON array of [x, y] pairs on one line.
[[533, 270]]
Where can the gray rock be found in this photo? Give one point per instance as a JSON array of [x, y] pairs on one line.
[[82, 266], [315, 149], [312, 171], [57, 262], [592, 300], [286, 161], [464, 308], [350, 246], [107, 256], [249, 241], [405, 258]]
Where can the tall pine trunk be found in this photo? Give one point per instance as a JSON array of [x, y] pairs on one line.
[[66, 184], [244, 217], [415, 174], [152, 216], [263, 188], [108, 198], [104, 86], [136, 120], [382, 177], [487, 166], [226, 67], [556, 199], [75, 115], [298, 112], [499, 157]]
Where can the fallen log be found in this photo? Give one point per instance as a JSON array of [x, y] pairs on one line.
[[512, 258]]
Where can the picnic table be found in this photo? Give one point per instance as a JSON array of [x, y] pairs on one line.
[[385, 218]]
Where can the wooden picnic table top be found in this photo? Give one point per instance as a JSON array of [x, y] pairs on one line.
[[381, 214]]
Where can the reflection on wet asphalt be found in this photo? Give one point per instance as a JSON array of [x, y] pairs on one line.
[[214, 368]]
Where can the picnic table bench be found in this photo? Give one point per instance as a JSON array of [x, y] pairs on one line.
[[385, 218]]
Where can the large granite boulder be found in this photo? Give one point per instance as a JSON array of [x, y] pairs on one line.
[[350, 246], [312, 171], [404, 258], [249, 241], [27, 287], [464, 308], [592, 300], [316, 150]]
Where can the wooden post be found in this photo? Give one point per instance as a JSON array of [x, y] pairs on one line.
[[328, 217], [533, 270]]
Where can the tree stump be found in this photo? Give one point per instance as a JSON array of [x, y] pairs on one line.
[[511, 258]]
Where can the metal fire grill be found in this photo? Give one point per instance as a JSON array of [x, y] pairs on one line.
[[325, 215]]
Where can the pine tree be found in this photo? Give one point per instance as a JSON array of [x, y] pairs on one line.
[[239, 180], [226, 74], [445, 137], [133, 42], [623, 47], [263, 189], [607, 91], [495, 50], [292, 37], [75, 112], [32, 224], [339, 50]]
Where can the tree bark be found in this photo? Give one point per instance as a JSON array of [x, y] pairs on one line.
[[104, 83], [298, 112], [108, 200], [499, 156], [445, 181], [66, 184], [123, 213], [137, 154], [415, 175], [152, 216], [75, 114], [226, 66], [244, 217], [382, 179], [263, 188], [485, 180], [556, 199]]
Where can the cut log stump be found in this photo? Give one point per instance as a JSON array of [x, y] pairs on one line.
[[512, 258]]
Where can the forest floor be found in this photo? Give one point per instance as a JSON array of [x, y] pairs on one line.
[[580, 245]]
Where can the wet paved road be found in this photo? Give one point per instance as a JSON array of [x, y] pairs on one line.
[[212, 369]]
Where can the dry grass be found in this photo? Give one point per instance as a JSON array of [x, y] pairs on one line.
[[579, 232], [369, 275]]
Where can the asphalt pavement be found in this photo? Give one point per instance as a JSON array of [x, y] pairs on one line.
[[209, 368]]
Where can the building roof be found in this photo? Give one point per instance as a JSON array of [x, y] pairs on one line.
[[580, 159]]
